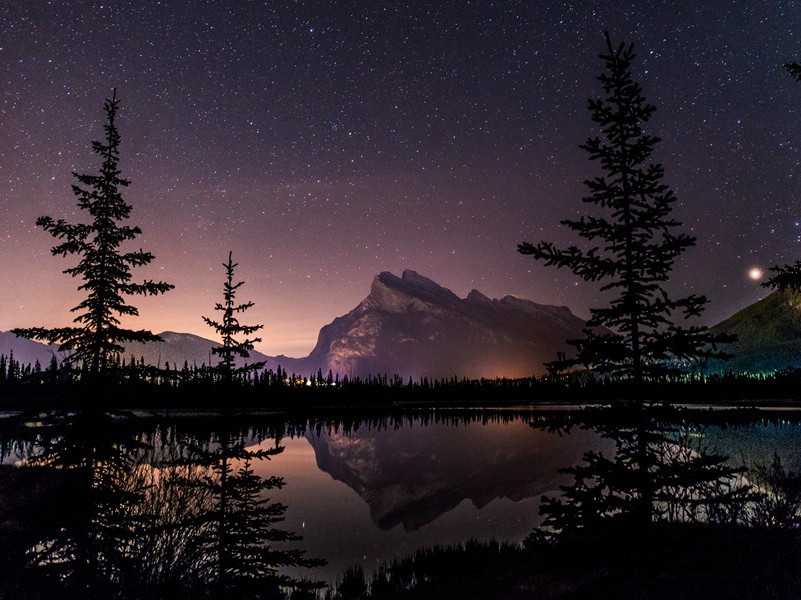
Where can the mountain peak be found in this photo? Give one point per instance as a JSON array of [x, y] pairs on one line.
[[408, 278], [414, 278], [412, 326], [476, 296], [409, 291]]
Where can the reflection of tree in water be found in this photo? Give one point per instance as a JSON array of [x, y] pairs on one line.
[[659, 471], [85, 548], [238, 531], [157, 515]]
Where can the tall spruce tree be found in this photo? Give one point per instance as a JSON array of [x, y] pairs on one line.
[[638, 245], [104, 268], [634, 241], [230, 327]]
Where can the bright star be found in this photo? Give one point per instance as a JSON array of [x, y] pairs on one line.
[[755, 274]]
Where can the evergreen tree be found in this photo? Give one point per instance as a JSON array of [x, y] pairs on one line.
[[230, 327], [785, 278], [104, 268], [634, 241], [12, 373], [638, 243], [52, 369]]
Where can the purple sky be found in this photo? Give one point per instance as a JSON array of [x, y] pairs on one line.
[[324, 142]]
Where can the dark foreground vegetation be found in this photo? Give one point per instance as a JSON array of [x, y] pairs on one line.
[[133, 384], [675, 561]]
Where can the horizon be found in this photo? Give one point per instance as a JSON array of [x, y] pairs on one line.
[[211, 336]]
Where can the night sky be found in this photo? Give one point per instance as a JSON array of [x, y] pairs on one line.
[[324, 142]]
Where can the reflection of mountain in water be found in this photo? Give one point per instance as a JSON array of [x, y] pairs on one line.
[[414, 474]]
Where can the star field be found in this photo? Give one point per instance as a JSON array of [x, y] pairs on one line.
[[324, 142]]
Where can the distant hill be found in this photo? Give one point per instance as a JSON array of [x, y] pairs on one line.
[[768, 332], [412, 326], [27, 351], [176, 349], [179, 347]]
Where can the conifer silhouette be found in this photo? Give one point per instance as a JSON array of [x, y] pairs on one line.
[[103, 267], [229, 327], [638, 243]]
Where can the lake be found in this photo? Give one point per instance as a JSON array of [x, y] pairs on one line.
[[359, 492]]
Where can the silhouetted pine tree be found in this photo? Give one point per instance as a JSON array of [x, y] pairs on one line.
[[13, 370], [230, 327], [638, 243], [103, 267], [635, 244], [785, 278]]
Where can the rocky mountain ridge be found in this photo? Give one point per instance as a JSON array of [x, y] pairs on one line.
[[412, 326], [407, 325]]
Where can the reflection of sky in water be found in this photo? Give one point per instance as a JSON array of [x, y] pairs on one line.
[[439, 469], [754, 444], [444, 471], [380, 493]]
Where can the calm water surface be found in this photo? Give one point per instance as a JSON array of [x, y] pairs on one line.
[[367, 492], [368, 496]]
